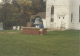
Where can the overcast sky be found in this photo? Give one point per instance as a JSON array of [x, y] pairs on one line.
[[0, 0]]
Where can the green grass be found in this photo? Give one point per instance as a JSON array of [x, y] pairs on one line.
[[54, 43]]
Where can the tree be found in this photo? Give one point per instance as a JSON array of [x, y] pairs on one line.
[[36, 6], [43, 6], [18, 12], [24, 11], [9, 15]]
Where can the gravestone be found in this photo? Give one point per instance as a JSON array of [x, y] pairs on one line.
[[21, 27], [18, 27], [1, 26], [28, 24], [37, 26], [14, 27]]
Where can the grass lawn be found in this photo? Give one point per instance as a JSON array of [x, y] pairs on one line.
[[55, 43]]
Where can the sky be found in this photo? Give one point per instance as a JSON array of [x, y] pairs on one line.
[[0, 0]]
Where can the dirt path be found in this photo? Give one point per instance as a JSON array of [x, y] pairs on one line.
[[9, 32], [12, 32]]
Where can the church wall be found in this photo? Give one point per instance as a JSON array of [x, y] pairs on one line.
[[44, 22], [64, 8], [61, 8], [71, 6], [48, 16], [48, 13], [74, 8]]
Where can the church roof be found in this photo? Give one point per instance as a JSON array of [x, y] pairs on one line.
[[41, 14]]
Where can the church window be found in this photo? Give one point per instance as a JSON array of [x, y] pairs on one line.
[[79, 13], [52, 13], [51, 19], [63, 17], [52, 9], [59, 17], [71, 17]]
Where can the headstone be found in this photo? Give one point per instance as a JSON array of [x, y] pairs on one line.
[[1, 26], [28, 24], [14, 27], [21, 27], [36, 26], [18, 27]]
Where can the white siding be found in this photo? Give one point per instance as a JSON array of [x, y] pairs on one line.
[[44, 22], [74, 8], [63, 8]]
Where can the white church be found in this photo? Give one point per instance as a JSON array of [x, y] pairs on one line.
[[63, 14]]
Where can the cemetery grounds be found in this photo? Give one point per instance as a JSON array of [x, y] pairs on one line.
[[54, 43]]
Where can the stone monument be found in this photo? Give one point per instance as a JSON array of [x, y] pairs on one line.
[[1, 26], [18, 27], [21, 27], [14, 27]]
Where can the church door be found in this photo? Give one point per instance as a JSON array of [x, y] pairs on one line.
[[61, 21]]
